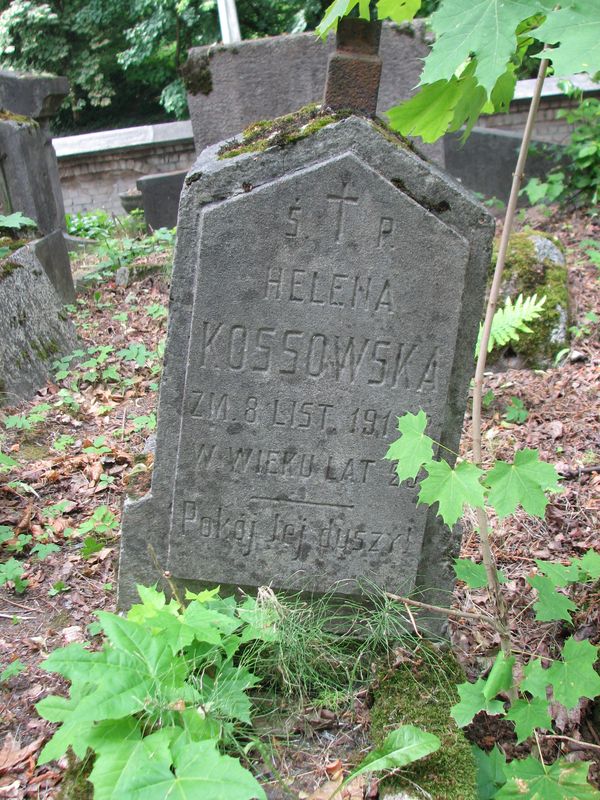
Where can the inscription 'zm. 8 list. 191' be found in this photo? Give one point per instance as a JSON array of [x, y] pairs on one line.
[[305, 343], [316, 296]]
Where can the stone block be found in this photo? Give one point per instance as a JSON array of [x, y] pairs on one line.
[[32, 95], [34, 329], [30, 173], [160, 197], [319, 290], [52, 253], [486, 162]]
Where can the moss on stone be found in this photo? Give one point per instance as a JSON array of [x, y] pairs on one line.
[[7, 267], [196, 74], [281, 131], [525, 273], [422, 694], [45, 348], [8, 116]]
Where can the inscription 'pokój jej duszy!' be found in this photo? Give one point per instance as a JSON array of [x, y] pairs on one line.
[[319, 291]]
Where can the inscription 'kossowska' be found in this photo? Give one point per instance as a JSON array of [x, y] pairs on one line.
[[345, 359]]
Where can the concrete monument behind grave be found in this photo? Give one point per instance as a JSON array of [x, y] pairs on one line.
[[319, 290]]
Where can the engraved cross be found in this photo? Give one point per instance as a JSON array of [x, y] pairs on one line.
[[341, 200]]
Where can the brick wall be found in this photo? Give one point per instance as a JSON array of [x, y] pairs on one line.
[[95, 168]]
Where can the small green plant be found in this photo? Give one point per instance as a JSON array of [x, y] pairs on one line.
[[63, 442], [585, 328], [58, 588], [98, 447], [12, 224], [13, 571], [25, 422], [577, 178], [90, 224], [101, 523], [13, 669], [512, 319], [144, 423], [164, 692], [516, 411], [157, 311], [592, 251], [91, 545], [571, 674]]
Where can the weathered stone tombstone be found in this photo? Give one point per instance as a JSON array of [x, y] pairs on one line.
[[319, 290], [34, 330], [29, 180], [29, 164]]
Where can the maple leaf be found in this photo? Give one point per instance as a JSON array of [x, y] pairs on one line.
[[339, 8], [559, 574], [414, 448], [529, 779], [576, 30], [398, 10], [523, 482], [472, 701], [485, 30], [535, 679], [550, 605], [590, 563], [474, 575], [200, 772], [528, 715], [575, 677], [452, 488], [490, 771], [439, 107]]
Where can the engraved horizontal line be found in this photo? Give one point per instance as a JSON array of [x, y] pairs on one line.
[[301, 502]]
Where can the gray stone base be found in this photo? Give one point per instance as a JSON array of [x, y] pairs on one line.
[[34, 329]]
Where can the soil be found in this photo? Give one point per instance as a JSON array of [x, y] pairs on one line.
[[66, 588]]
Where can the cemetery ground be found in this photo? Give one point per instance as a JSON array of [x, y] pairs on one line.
[[72, 453]]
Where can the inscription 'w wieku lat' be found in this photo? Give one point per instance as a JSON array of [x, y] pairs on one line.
[[307, 312]]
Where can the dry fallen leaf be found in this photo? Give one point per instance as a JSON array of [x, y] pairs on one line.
[[13, 754]]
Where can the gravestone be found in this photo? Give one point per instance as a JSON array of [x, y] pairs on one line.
[[319, 290], [29, 166], [160, 198], [34, 330]]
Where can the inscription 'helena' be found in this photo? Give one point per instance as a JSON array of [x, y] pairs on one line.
[[345, 359], [338, 290]]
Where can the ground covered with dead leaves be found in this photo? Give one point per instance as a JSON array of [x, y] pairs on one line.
[[83, 448]]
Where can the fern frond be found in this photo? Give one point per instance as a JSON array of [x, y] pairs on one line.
[[511, 320]]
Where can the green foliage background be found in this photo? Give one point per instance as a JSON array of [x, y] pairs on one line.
[[122, 56]]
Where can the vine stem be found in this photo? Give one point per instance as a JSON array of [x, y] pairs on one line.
[[500, 612]]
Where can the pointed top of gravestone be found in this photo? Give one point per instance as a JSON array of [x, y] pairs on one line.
[[354, 68]]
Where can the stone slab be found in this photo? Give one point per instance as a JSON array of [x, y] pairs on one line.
[[486, 162], [34, 329], [235, 85], [30, 173], [32, 95], [52, 253], [318, 291], [160, 196]]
